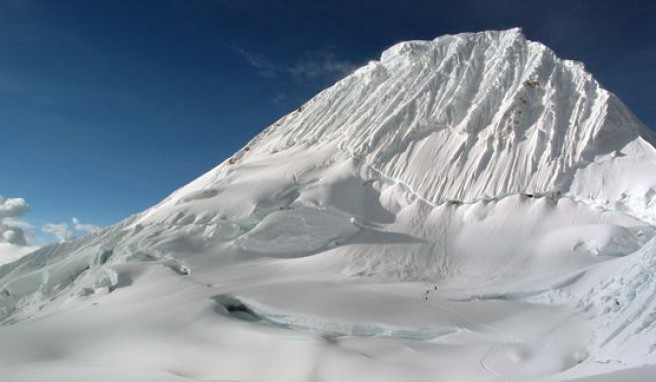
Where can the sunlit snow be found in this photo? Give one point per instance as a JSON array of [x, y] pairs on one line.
[[470, 208]]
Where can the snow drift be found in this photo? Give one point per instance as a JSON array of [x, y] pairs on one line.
[[467, 208]]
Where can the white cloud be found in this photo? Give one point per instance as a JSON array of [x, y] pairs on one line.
[[61, 231], [84, 227], [313, 65], [12, 207], [262, 64], [13, 235], [12, 230], [16, 235], [321, 65]]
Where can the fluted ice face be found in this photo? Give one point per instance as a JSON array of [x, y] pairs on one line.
[[469, 117]]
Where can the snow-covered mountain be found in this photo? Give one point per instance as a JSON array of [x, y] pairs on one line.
[[467, 208]]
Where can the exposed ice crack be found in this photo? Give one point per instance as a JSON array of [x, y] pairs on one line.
[[252, 312]]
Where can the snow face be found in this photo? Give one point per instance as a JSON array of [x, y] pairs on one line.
[[471, 117], [467, 208]]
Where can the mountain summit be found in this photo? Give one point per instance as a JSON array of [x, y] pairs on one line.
[[470, 117], [467, 208]]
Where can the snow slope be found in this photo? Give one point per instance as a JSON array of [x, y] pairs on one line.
[[468, 208]]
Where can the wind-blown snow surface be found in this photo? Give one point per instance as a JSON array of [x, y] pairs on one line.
[[465, 209]]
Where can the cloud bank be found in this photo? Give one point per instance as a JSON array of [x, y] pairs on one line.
[[16, 235], [12, 231]]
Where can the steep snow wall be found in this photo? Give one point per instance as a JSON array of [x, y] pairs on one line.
[[477, 116]]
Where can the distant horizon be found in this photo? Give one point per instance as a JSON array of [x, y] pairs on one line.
[[110, 106]]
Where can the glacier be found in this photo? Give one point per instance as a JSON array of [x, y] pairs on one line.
[[471, 208]]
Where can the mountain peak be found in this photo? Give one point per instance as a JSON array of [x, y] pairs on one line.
[[414, 47], [469, 117], [473, 194]]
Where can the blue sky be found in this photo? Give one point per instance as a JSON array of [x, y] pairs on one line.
[[108, 106]]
